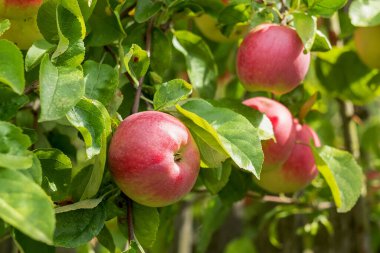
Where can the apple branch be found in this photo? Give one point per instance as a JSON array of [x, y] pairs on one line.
[[148, 42], [131, 232]]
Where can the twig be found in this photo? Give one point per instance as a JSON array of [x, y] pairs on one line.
[[148, 42], [34, 86], [131, 232]]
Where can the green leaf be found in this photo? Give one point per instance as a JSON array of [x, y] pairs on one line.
[[170, 93], [13, 147], [60, 89], [81, 181], [236, 188], [93, 121], [71, 31], [306, 27], [36, 52], [321, 43], [146, 222], [34, 172], [27, 245], [101, 81], [343, 175], [214, 215], [324, 8], [104, 26], [49, 30], [234, 132], [243, 244], [84, 204], [216, 178], [136, 62], [201, 66], [56, 168], [234, 14], [105, 239], [365, 12], [22, 200], [11, 66], [161, 52], [87, 7], [10, 102], [77, 227], [145, 9], [5, 24]]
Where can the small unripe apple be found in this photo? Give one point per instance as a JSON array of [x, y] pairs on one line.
[[300, 168], [271, 58], [275, 152], [153, 158], [23, 17], [367, 41]]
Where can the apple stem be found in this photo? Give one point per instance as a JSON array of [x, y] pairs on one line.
[[131, 232], [148, 42]]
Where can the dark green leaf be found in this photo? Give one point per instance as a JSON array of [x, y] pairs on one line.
[[27, 245], [10, 102], [105, 239], [343, 175], [34, 172], [101, 81], [87, 7], [236, 188], [77, 227], [216, 178], [321, 42], [60, 89], [200, 62], [161, 52], [13, 147], [56, 168], [11, 66], [23, 200], [146, 222], [170, 93], [145, 9]]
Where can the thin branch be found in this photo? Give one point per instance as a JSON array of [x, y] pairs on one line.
[[148, 42], [31, 88], [131, 232]]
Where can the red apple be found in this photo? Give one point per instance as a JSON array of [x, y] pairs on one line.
[[275, 152], [153, 158], [300, 168], [271, 58], [23, 17]]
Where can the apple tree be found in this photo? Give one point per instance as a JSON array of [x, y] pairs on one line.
[[189, 126]]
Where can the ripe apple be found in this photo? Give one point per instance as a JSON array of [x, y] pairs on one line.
[[367, 41], [153, 158], [275, 152], [23, 17], [271, 58], [299, 170]]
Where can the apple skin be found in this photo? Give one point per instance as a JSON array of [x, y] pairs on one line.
[[208, 26], [367, 41], [275, 152], [23, 17], [300, 168], [142, 158], [271, 58]]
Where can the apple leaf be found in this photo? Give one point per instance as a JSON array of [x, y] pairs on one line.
[[161, 52], [136, 63], [77, 227], [106, 240], [5, 24], [22, 200], [365, 12], [10, 102], [35, 171], [56, 168], [170, 93], [11, 66], [238, 137], [306, 27], [27, 245], [14, 153], [200, 62], [343, 175], [146, 222], [101, 81], [324, 8], [84, 204], [36, 52], [232, 15], [145, 9], [321, 43], [60, 89], [216, 178]]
